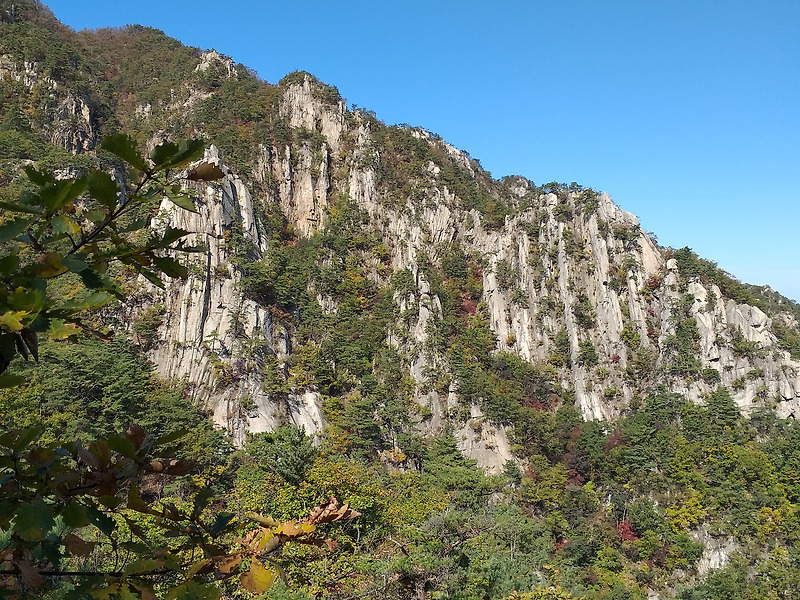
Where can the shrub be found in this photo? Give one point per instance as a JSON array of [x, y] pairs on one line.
[[587, 355], [584, 312]]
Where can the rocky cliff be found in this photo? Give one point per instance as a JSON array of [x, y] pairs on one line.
[[567, 281], [329, 224]]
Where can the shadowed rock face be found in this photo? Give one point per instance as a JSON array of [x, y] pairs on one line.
[[569, 260]]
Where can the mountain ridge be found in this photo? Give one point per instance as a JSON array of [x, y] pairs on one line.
[[300, 151]]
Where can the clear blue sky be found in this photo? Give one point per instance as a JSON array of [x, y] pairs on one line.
[[685, 112]]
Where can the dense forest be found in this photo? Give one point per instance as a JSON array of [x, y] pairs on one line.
[[116, 483]]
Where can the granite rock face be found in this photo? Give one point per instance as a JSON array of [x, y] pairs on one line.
[[565, 260], [68, 118], [210, 335]]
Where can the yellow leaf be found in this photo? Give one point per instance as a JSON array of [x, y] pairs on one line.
[[12, 320], [258, 578], [59, 331], [263, 540]]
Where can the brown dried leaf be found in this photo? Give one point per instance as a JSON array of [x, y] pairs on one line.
[[263, 540], [229, 563], [146, 592], [30, 573], [267, 521], [289, 529], [90, 458], [205, 172], [77, 546], [201, 566], [330, 512], [170, 467], [135, 436]]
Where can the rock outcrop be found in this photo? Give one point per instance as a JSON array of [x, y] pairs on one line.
[[65, 117], [563, 260]]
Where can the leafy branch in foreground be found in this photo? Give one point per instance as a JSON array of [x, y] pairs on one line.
[[73, 517], [81, 226]]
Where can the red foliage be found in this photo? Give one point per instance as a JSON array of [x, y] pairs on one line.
[[626, 532], [537, 404], [654, 282], [575, 478], [561, 543], [468, 306]]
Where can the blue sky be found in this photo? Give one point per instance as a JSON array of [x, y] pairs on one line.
[[685, 112]]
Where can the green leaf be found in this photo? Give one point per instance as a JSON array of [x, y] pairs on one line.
[[120, 444], [182, 247], [56, 196], [62, 224], [170, 267], [75, 515], [40, 178], [109, 501], [103, 188], [91, 302], [171, 235], [33, 521], [11, 229], [136, 503], [126, 593], [221, 522], [59, 331], [14, 207], [95, 216], [162, 154], [135, 225], [100, 520], [97, 281], [188, 151], [12, 320], [184, 201], [171, 437], [9, 381], [8, 346], [9, 264], [28, 300], [144, 565], [136, 547], [49, 265], [151, 277], [124, 147], [25, 437], [75, 262]]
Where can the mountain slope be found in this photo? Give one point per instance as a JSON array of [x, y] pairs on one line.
[[403, 236], [374, 284]]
